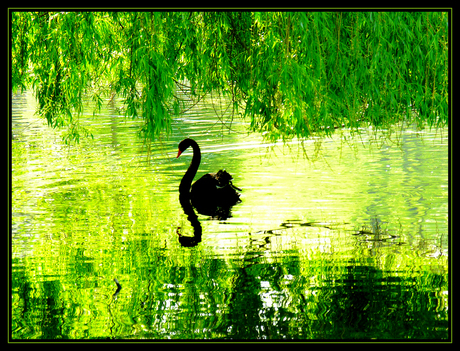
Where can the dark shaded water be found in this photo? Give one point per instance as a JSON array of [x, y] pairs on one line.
[[334, 239]]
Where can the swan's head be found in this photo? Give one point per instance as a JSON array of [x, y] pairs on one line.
[[184, 145]]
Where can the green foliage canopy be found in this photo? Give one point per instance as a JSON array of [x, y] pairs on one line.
[[292, 74]]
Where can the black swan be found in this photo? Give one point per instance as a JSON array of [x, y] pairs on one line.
[[212, 192]]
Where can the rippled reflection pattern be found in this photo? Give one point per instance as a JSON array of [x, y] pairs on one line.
[[338, 238]]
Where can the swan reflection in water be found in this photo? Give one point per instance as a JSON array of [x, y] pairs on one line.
[[213, 194]]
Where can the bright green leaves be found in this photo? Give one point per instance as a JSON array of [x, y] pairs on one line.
[[292, 74], [64, 60]]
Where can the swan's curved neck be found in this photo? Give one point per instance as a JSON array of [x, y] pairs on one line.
[[186, 182]]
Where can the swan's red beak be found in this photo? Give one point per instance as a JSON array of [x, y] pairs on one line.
[[178, 154]]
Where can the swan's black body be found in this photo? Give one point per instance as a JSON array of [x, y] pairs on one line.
[[210, 193]]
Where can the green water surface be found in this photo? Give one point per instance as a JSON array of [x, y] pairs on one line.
[[337, 238]]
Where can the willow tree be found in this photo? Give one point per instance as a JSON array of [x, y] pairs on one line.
[[291, 74]]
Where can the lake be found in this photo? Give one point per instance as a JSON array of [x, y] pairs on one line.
[[340, 238]]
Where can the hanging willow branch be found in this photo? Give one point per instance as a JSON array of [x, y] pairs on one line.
[[291, 74]]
